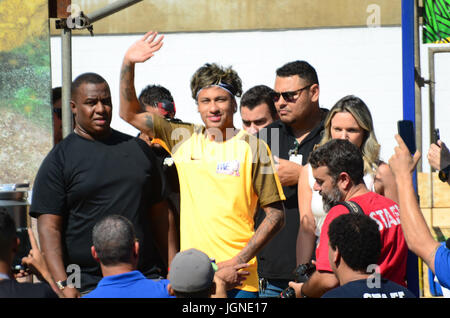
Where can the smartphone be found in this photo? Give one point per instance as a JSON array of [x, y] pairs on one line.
[[408, 134], [23, 250], [436, 136]]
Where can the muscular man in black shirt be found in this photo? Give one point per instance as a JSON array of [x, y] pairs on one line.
[[94, 172]]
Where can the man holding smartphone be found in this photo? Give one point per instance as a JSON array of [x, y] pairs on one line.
[[439, 159], [9, 244], [417, 234]]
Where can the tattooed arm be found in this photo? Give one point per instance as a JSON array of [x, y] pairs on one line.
[[130, 109], [271, 225]]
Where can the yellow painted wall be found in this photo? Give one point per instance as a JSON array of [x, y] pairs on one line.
[[435, 206], [216, 15]]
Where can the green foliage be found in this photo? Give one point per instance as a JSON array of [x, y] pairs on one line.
[[25, 84]]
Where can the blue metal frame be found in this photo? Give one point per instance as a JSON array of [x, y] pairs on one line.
[[408, 59], [409, 112]]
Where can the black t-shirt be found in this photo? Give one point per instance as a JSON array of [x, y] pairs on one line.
[[277, 260], [12, 289], [84, 180], [171, 175], [364, 288]]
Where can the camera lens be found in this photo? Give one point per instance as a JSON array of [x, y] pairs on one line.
[[288, 293]]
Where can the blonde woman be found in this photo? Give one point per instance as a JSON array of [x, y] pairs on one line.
[[349, 119]]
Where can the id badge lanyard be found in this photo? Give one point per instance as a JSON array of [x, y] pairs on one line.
[[294, 156]]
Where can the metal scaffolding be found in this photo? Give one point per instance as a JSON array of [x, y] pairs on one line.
[[80, 21]]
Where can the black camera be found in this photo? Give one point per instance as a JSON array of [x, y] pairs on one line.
[[301, 274], [23, 250]]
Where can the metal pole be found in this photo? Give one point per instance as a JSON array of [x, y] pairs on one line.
[[110, 9], [431, 123], [66, 48], [409, 113], [66, 52], [432, 92], [408, 60], [432, 84], [417, 87], [418, 112]]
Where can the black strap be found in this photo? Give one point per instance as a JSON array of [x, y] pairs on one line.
[[352, 207]]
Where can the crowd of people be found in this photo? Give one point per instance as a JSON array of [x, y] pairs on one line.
[[197, 211]]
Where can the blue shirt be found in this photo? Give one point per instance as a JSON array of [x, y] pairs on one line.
[[442, 265], [130, 285], [362, 289]]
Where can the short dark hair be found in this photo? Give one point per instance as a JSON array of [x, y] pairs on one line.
[[92, 78], [301, 68], [153, 94], [113, 238], [56, 94], [339, 155], [257, 95], [7, 232], [358, 239]]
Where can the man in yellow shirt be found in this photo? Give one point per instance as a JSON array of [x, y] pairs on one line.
[[224, 173]]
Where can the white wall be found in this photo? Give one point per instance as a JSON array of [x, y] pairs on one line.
[[362, 61]]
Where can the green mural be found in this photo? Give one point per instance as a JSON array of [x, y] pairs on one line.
[[25, 89], [436, 21]]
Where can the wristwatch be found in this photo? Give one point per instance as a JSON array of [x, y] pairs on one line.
[[444, 174], [61, 284]]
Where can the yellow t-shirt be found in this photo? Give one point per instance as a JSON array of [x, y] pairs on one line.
[[221, 184]]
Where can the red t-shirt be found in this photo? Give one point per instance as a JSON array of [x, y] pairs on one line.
[[394, 250]]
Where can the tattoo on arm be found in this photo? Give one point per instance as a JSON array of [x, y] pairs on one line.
[[130, 108], [149, 122], [128, 91], [123, 72], [271, 225]]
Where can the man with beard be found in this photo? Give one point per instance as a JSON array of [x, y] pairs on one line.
[[338, 169]]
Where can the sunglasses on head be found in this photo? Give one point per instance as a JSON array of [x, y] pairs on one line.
[[290, 96], [167, 108]]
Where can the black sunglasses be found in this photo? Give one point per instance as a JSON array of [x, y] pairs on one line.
[[58, 112], [289, 96]]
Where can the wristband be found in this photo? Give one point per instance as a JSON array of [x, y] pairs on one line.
[[302, 295]]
